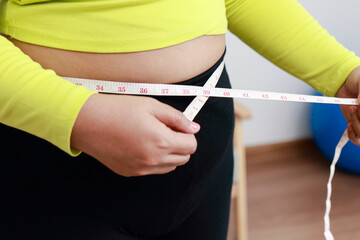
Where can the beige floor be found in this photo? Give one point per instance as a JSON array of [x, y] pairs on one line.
[[286, 195]]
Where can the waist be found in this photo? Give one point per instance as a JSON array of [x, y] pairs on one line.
[[166, 65]]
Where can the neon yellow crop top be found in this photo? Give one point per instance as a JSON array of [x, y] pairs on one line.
[[39, 102]]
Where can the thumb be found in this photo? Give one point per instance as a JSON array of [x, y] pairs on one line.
[[175, 119]]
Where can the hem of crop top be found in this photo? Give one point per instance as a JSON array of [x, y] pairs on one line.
[[109, 45]]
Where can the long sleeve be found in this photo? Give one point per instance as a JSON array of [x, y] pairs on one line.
[[36, 100], [287, 35]]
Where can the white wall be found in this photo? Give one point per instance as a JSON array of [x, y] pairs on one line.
[[279, 121]]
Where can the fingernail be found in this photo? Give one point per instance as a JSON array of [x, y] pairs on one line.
[[195, 125]]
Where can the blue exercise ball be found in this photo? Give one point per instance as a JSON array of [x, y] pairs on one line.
[[327, 126]]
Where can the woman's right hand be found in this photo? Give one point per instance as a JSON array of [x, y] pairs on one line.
[[134, 136]]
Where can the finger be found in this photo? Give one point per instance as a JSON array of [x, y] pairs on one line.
[[352, 136], [171, 163], [177, 160], [164, 170], [182, 143], [347, 110], [172, 142], [355, 122], [157, 170], [167, 164], [175, 119]]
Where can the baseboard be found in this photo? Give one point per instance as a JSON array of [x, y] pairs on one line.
[[279, 151]]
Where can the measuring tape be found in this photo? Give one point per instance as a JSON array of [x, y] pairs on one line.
[[209, 90], [186, 90], [344, 139]]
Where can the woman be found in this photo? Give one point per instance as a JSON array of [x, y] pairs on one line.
[[135, 178]]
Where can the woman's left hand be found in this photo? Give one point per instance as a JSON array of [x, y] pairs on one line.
[[350, 89]]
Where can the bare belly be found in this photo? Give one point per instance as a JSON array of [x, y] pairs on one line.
[[167, 65]]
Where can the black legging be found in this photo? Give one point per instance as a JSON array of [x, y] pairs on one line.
[[46, 194]]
